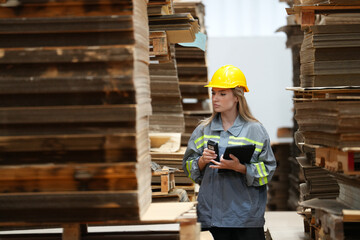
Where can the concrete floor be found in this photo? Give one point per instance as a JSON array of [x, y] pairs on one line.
[[285, 225]]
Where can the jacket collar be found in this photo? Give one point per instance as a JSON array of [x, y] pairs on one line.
[[235, 129]]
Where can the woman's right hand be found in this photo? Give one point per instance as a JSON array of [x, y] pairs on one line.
[[206, 157]]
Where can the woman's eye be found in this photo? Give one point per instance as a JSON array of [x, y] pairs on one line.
[[212, 93], [223, 94]]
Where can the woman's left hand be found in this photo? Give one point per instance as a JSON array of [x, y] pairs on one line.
[[233, 164]]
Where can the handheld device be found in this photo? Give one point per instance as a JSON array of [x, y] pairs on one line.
[[212, 145]]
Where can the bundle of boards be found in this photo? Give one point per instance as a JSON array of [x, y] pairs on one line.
[[74, 111]]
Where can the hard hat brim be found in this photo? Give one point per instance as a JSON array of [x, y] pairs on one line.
[[216, 86]]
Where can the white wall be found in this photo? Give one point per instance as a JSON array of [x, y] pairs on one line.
[[242, 33], [229, 18]]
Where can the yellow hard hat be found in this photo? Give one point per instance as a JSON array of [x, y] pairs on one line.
[[228, 76]]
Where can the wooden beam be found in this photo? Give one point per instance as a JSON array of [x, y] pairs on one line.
[[71, 232], [307, 18]]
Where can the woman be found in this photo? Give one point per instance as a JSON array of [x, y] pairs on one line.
[[231, 204]]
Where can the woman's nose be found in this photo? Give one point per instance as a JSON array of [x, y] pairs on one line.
[[214, 97]]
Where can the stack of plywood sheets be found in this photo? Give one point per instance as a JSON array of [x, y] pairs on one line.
[[160, 7], [330, 2], [318, 182], [195, 7], [179, 27], [74, 111], [165, 91], [192, 71], [327, 114], [330, 56], [331, 120], [168, 113], [278, 188], [166, 29], [294, 40]]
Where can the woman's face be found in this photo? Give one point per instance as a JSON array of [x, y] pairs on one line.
[[223, 100]]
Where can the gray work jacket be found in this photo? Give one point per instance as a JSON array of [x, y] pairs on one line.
[[231, 199]]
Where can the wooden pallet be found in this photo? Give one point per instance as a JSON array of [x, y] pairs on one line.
[[167, 178], [322, 93], [307, 13], [336, 160]]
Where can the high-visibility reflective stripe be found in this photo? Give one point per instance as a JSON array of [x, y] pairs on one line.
[[261, 174], [247, 139], [206, 136], [188, 167], [264, 172], [264, 169], [200, 138], [204, 142], [265, 180], [200, 145], [236, 143], [212, 136]]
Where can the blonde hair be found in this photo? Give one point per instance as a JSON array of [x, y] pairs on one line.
[[242, 106]]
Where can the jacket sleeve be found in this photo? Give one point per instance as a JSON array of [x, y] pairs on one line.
[[260, 172], [193, 153]]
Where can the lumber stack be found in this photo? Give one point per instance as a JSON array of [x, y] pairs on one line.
[[192, 72], [278, 188], [166, 29], [74, 111], [296, 178], [333, 122], [318, 182], [329, 2], [330, 56], [327, 120], [168, 113], [326, 110], [294, 40]]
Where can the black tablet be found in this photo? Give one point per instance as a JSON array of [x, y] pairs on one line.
[[242, 152]]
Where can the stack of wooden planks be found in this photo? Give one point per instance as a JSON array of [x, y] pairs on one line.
[[329, 117], [329, 2], [168, 113], [192, 71], [294, 40], [330, 56], [74, 111], [318, 182], [278, 187], [331, 120], [326, 110], [166, 29], [179, 27], [160, 7]]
